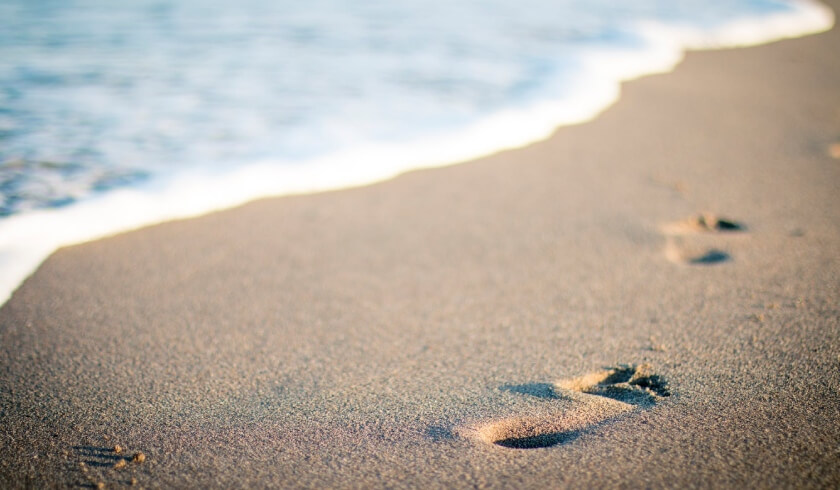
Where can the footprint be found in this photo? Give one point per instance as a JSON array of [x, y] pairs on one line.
[[595, 399], [635, 385], [93, 466], [679, 248], [678, 252], [703, 223]]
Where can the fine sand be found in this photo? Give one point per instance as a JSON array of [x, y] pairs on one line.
[[646, 300]]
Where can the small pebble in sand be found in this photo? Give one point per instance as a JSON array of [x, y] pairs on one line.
[[139, 457], [100, 484], [119, 464], [118, 449]]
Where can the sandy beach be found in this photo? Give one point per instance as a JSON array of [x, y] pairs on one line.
[[649, 300]]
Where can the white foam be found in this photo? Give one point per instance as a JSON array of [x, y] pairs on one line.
[[808, 17], [28, 239]]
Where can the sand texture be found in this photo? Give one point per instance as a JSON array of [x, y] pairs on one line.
[[651, 299]]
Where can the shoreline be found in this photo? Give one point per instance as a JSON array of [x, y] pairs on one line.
[[439, 328], [26, 240]]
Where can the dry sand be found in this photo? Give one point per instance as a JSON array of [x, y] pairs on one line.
[[389, 335]]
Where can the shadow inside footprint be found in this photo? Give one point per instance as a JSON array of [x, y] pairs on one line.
[[710, 257], [536, 442], [621, 374]]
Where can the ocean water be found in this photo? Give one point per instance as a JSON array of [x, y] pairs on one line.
[[114, 115]]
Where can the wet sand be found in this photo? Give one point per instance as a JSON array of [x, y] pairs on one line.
[[648, 299]]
